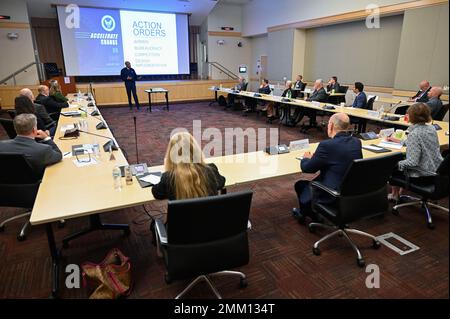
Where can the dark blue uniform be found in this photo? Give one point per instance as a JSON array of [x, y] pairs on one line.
[[130, 85]]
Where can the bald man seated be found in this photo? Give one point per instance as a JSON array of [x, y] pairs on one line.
[[434, 102], [39, 107], [422, 95], [332, 158]]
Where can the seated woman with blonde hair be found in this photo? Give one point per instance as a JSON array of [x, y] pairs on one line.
[[187, 175]]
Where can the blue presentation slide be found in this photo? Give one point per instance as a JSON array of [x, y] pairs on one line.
[[97, 42]]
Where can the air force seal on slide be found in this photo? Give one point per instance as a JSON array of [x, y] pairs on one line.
[[108, 23]]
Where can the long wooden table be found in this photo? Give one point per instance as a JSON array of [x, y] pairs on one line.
[[70, 192], [350, 111]]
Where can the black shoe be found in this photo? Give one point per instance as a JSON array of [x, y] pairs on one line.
[[291, 124], [317, 218], [299, 216]]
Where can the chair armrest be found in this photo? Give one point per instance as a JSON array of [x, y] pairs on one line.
[[54, 116], [328, 190], [416, 169], [161, 231]]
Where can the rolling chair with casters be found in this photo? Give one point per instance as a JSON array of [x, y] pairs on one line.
[[18, 188], [432, 187], [205, 237], [356, 199], [8, 125]]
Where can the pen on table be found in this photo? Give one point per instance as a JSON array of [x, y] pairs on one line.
[[65, 154]]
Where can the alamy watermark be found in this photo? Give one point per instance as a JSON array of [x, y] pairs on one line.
[[373, 18]]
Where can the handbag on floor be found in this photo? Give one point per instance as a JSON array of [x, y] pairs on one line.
[[113, 275]]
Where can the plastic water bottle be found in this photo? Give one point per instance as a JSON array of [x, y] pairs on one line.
[[117, 177], [381, 110]]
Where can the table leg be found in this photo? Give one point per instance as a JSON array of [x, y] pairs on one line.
[[149, 102], [55, 260], [216, 99], [167, 101]]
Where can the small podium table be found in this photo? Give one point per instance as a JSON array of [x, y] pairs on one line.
[[157, 90]]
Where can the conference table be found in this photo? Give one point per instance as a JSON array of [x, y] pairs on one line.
[[385, 118], [68, 191]]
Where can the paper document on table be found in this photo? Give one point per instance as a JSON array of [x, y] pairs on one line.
[[70, 113], [92, 161], [152, 179], [392, 145], [372, 148], [67, 127]]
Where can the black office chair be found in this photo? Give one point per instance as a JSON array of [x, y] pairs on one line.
[[343, 89], [357, 198], [440, 116], [204, 237], [239, 101], [18, 188], [432, 187], [360, 123], [8, 125], [12, 113], [401, 110]]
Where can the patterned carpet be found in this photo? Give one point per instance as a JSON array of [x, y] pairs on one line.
[[282, 264]]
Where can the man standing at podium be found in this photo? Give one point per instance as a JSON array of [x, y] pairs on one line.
[[129, 76]]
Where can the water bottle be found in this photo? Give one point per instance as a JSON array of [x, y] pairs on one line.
[[128, 175], [117, 177], [381, 110]]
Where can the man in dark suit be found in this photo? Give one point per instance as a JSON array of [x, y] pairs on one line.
[[129, 76], [361, 97], [40, 109], [422, 94], [434, 102], [319, 95], [242, 86], [333, 84], [49, 102], [332, 158], [43, 93], [39, 155]]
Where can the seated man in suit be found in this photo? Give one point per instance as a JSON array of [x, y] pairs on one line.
[[333, 85], [242, 86], [299, 85], [50, 103], [264, 88], [422, 94], [271, 107], [434, 101], [40, 109], [43, 93], [319, 95], [360, 101], [332, 158], [39, 155]]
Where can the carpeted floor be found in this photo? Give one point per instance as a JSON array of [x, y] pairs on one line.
[[282, 264]]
